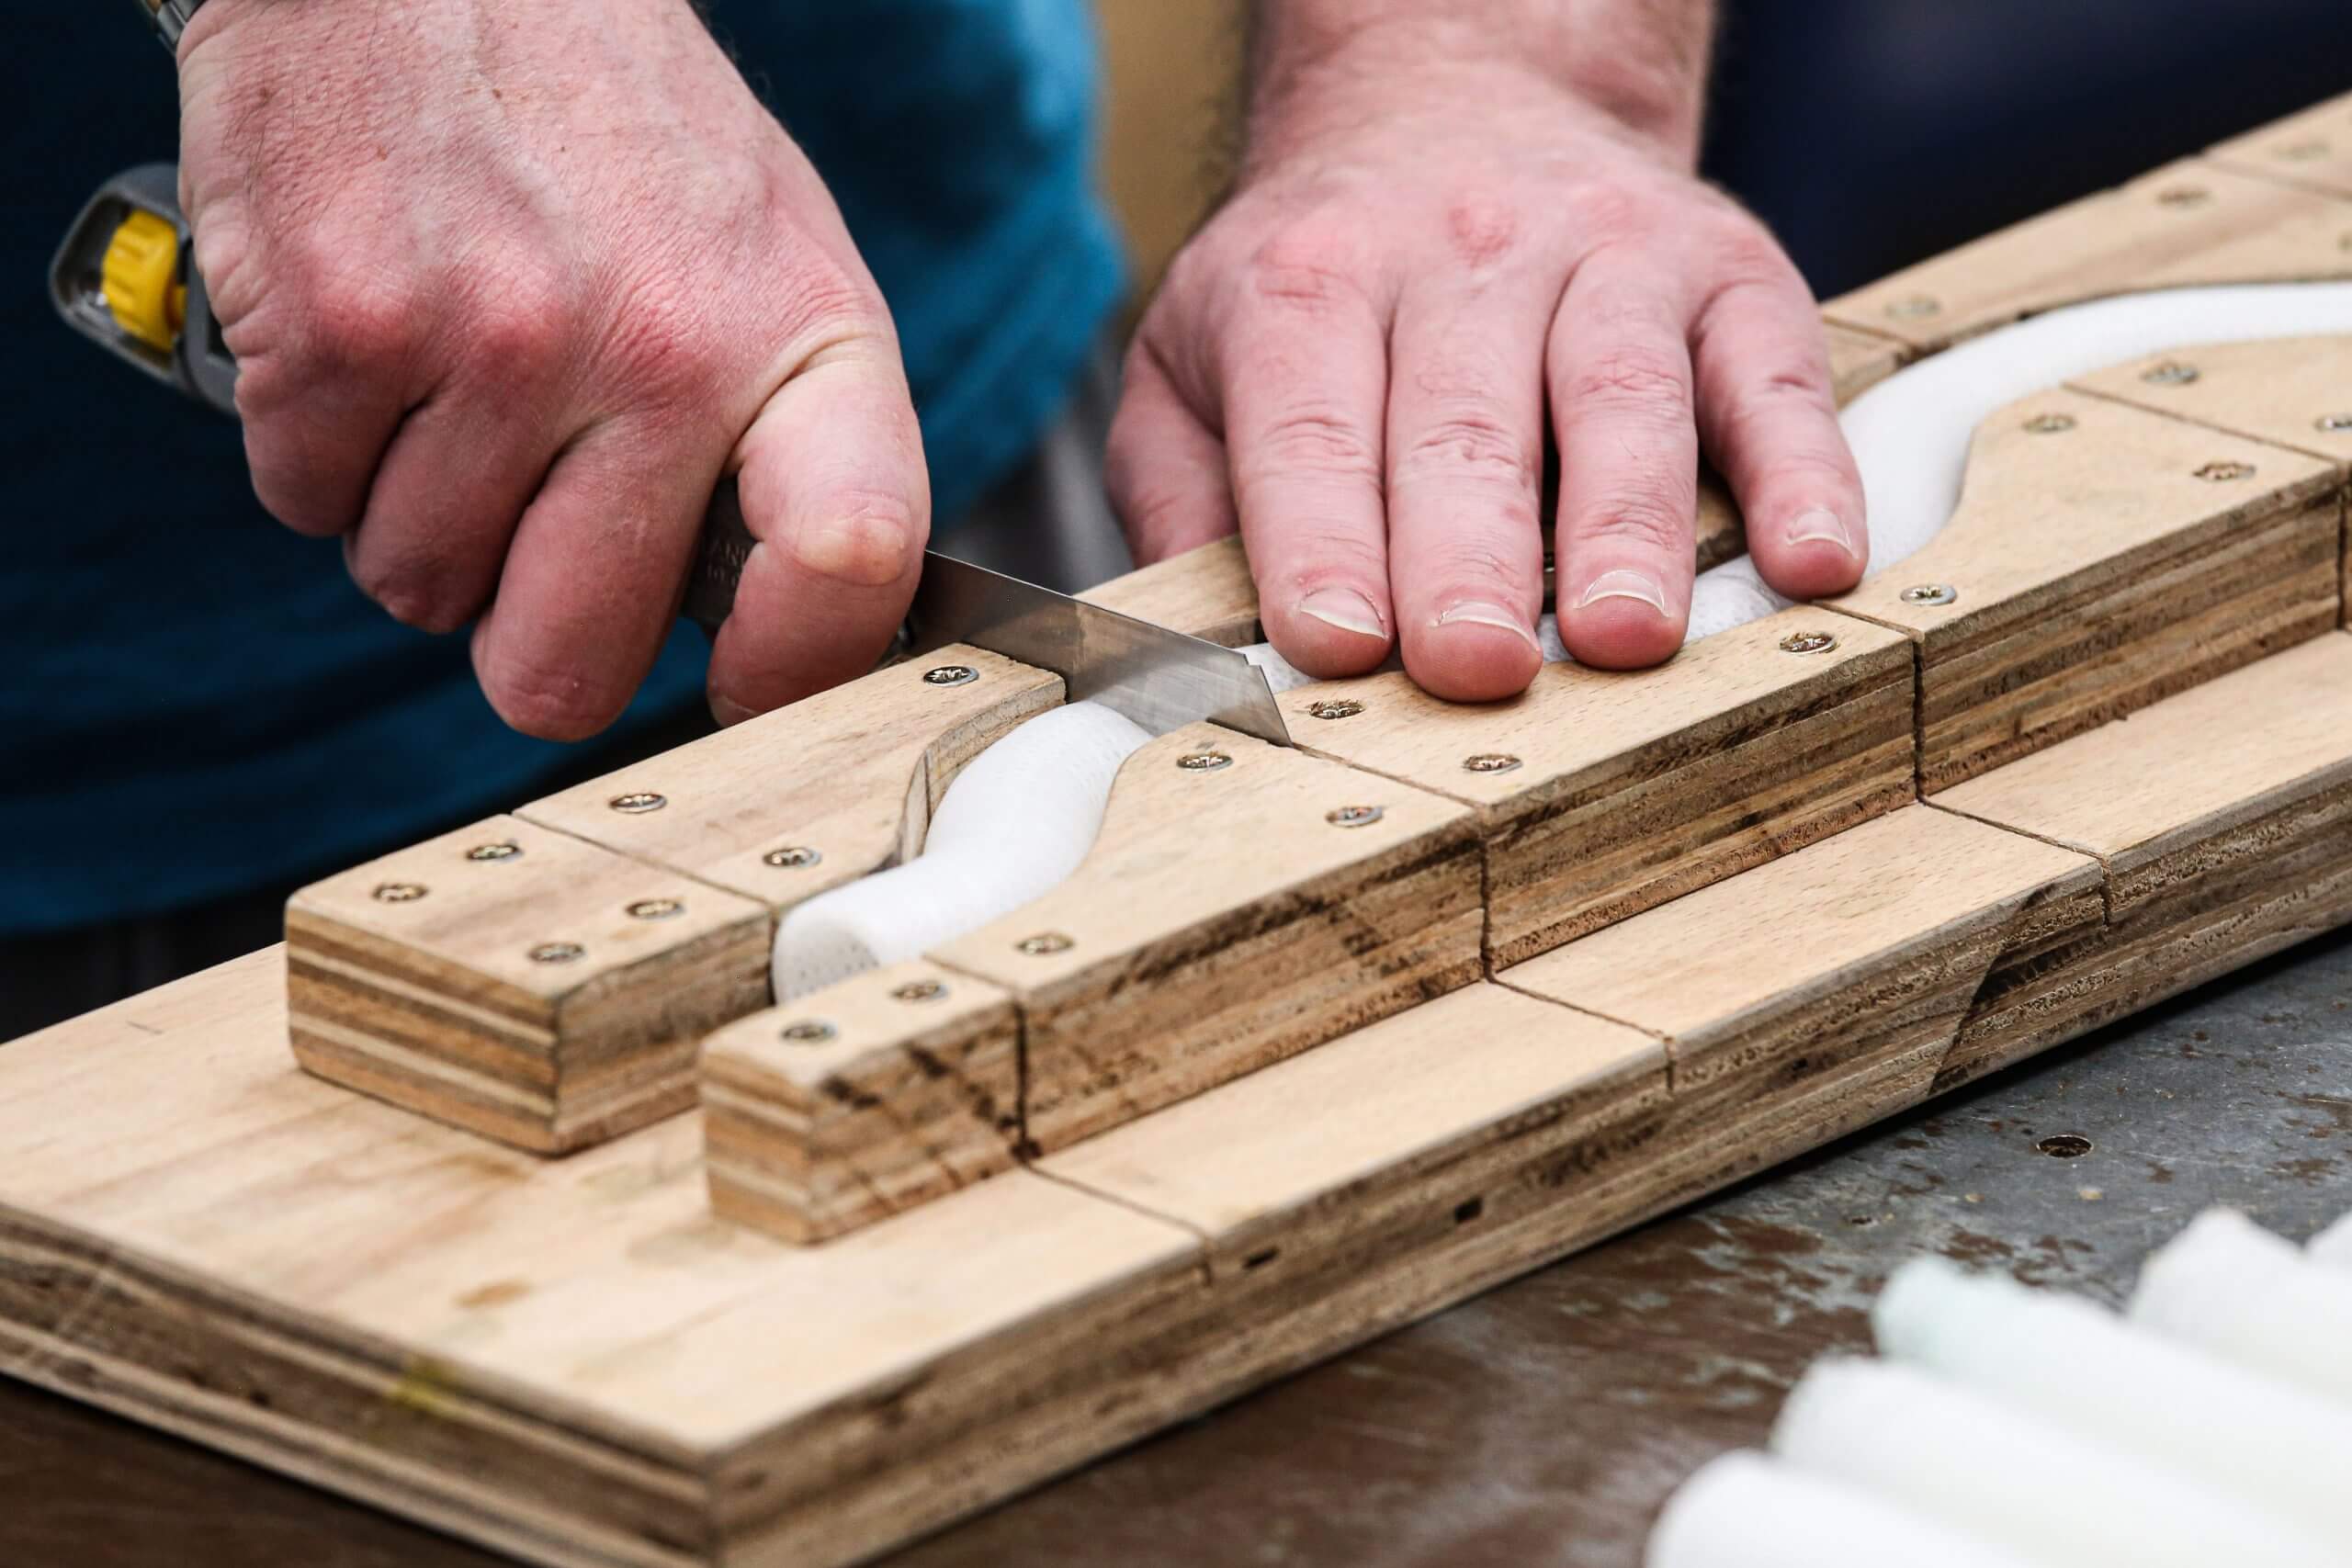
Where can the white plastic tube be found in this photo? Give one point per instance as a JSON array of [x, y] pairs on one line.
[[1017, 820], [2074, 1364], [2233, 1290], [1744, 1511], [2332, 1247], [2047, 1493]]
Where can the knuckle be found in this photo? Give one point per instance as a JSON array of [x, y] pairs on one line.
[[1607, 211], [867, 538], [1631, 378], [1318, 438], [551, 702], [1645, 519], [1483, 228], [1471, 441], [518, 325], [358, 323], [1310, 269], [1322, 552], [414, 589]]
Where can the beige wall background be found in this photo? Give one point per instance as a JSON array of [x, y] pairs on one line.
[[1170, 68]]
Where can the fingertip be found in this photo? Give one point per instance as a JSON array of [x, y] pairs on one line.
[[1331, 632], [1815, 554], [1622, 619], [1473, 652]]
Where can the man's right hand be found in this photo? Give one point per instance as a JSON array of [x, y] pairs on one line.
[[511, 285]]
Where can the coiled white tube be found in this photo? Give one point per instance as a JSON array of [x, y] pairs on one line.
[[2332, 1247], [1741, 1510], [2075, 1365], [2231, 1289], [1910, 435], [2045, 1492]]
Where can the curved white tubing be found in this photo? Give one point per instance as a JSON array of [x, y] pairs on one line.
[[2230, 1288], [1741, 1510], [2049, 1495], [1024, 816]]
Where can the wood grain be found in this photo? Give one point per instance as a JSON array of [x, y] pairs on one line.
[[2189, 222], [1205, 592], [2223, 817], [2293, 392], [2313, 148], [883, 1091], [1226, 917], [851, 773], [2103, 557], [1619, 790], [518, 982]]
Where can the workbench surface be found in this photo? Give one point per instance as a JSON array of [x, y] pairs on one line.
[[1541, 1423]]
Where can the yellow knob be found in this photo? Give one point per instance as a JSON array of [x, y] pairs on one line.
[[141, 278]]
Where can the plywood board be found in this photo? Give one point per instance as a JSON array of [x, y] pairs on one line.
[[1242, 902], [1205, 592], [2103, 558], [2313, 148], [519, 982], [1601, 794], [884, 1090], [2293, 392], [2189, 222]]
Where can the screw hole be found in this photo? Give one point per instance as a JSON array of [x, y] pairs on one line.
[[1464, 1212], [792, 857], [807, 1031], [1338, 707], [507, 851], [639, 801], [1260, 1259], [2065, 1145], [399, 892], [950, 675]]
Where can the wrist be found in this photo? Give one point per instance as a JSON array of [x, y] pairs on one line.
[[1634, 70]]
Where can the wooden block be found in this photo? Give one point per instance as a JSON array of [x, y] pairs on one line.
[[1614, 791], [1228, 915], [2313, 148], [2224, 819], [1205, 592], [1859, 360], [2103, 557], [1816, 994], [2188, 222], [519, 982], [886, 1090], [568, 1361], [848, 777], [2292, 392]]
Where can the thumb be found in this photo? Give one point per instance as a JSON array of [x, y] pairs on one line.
[[836, 500]]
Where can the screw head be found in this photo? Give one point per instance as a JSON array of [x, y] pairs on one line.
[[2332, 423], [1336, 707], [1044, 942], [1929, 593], [1355, 816], [1203, 761], [807, 1031], [950, 675], [2049, 423], [1808, 642], [1913, 306], [1489, 762], [656, 908], [792, 857], [2184, 196], [2222, 471], [919, 991], [494, 851], [558, 952], [2171, 372], [636, 802], [399, 892]]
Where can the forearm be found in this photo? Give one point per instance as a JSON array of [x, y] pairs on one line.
[[1641, 66]]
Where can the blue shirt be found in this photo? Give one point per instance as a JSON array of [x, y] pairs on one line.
[[195, 701]]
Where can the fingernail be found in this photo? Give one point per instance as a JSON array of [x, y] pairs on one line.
[[1344, 608], [1820, 523], [1624, 585], [1479, 612], [727, 711]]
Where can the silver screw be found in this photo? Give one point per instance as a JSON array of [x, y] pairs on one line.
[[1203, 761], [2171, 372], [399, 892], [1807, 642], [950, 675], [792, 857], [656, 908], [1355, 816], [807, 1031], [1929, 593], [920, 991], [2332, 423], [2184, 196], [494, 851], [639, 801], [1914, 305], [1044, 942], [1489, 762], [1338, 707], [558, 952], [2049, 423], [2222, 471]]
